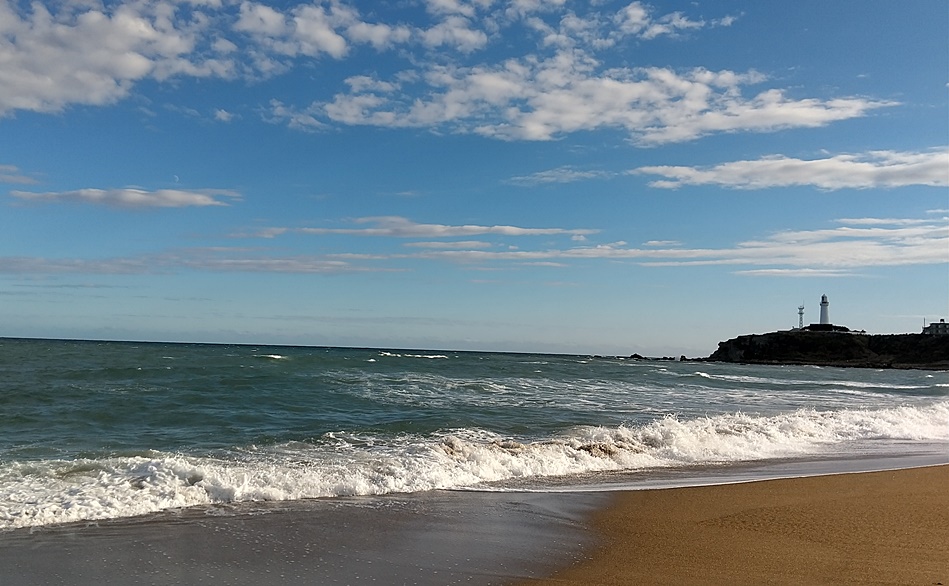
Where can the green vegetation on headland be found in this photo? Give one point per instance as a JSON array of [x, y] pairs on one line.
[[830, 348]]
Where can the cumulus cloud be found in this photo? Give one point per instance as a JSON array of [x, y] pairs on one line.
[[132, 198], [58, 54], [308, 29], [81, 53], [222, 115], [875, 169], [455, 31], [86, 53], [305, 120], [637, 19], [542, 99]]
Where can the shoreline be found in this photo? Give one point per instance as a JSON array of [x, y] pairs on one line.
[[888, 526], [428, 539], [885, 527]]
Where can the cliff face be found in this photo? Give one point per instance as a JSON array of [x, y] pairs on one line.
[[837, 349]]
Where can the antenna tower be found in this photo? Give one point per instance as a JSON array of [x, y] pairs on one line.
[[800, 317]]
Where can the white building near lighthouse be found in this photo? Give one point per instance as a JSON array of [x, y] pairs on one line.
[[824, 313]]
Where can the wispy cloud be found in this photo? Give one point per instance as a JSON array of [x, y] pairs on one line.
[[233, 260], [462, 244], [875, 169], [11, 174], [883, 221], [132, 197], [399, 227], [559, 175], [799, 273], [848, 249], [841, 250]]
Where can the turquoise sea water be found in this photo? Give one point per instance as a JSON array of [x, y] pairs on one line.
[[95, 430]]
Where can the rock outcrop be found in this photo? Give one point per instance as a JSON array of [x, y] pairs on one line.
[[837, 349]]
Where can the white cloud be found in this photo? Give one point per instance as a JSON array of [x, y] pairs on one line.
[[307, 29], [855, 244], [560, 175], [260, 19], [304, 120], [40, 266], [131, 197], [464, 244], [81, 53], [380, 36], [637, 19], [542, 99], [86, 53], [399, 227], [223, 115], [450, 7], [847, 250], [882, 221], [837, 251], [457, 32], [206, 259], [11, 174], [797, 273], [58, 54], [875, 169]]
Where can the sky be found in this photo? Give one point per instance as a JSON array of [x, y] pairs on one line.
[[586, 177]]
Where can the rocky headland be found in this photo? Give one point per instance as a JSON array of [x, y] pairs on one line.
[[834, 348]]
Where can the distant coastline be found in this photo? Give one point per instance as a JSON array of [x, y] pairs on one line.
[[836, 348]]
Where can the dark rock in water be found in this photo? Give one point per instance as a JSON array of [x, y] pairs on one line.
[[833, 348]]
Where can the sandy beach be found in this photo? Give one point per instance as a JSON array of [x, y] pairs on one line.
[[887, 527]]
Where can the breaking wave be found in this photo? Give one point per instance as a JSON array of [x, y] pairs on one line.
[[341, 464]]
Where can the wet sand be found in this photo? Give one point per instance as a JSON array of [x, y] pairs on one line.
[[887, 527], [431, 539]]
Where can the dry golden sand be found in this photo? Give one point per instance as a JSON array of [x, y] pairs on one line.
[[872, 528]]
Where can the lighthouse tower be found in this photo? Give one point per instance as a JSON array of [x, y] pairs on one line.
[[824, 314]]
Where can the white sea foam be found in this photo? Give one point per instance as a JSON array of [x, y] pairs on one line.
[[428, 356], [758, 380], [57, 491]]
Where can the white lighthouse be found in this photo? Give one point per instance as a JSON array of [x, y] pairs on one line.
[[824, 314]]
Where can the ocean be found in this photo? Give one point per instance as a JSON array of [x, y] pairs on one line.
[[94, 431]]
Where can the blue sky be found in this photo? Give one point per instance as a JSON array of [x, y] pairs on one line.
[[583, 177]]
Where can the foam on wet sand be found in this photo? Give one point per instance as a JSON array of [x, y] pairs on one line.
[[889, 527]]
